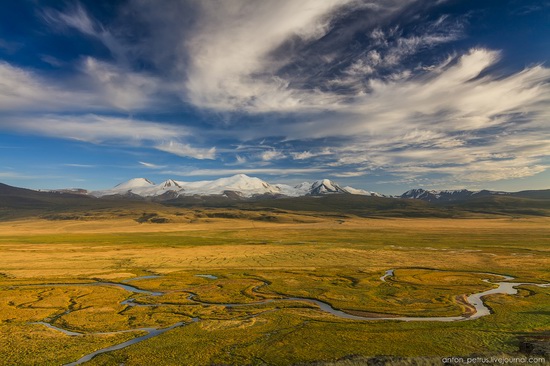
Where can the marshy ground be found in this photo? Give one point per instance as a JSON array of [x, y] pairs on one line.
[[337, 260]]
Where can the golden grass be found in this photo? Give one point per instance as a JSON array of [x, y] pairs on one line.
[[126, 225], [34, 344], [435, 260]]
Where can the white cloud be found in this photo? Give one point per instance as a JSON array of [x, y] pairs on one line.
[[98, 85], [451, 115], [267, 171], [9, 47], [94, 128], [391, 48], [77, 18], [302, 155], [454, 116], [503, 156], [186, 150], [80, 165], [477, 171], [270, 155], [53, 61], [22, 89], [101, 87], [151, 165], [349, 174], [114, 130], [230, 66], [229, 50], [11, 175], [121, 88], [17, 175]]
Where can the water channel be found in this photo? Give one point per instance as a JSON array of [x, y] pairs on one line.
[[475, 300]]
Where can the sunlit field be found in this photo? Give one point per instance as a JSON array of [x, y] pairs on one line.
[[243, 312]]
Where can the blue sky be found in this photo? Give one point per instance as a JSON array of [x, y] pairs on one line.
[[384, 95]]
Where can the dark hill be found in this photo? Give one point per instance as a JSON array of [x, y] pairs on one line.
[[516, 204], [20, 202]]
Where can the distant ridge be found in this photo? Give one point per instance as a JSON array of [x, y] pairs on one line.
[[242, 192], [242, 186], [448, 195]]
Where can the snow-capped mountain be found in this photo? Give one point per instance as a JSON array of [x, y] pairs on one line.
[[171, 184], [140, 187], [298, 190], [134, 183], [363, 192], [325, 186], [239, 184], [446, 195], [245, 185]]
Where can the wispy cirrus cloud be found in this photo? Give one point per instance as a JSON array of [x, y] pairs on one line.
[[187, 150], [270, 155], [94, 128], [101, 87], [77, 18], [80, 165], [232, 70], [99, 129], [123, 89], [350, 174], [151, 165], [457, 97], [347, 87], [25, 90], [266, 171], [453, 114], [303, 155]]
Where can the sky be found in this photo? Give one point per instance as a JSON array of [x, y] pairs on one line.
[[385, 95]]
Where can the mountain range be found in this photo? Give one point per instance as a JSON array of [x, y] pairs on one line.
[[239, 185], [249, 194], [447, 195]]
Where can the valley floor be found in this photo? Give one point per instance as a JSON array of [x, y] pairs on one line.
[[69, 274]]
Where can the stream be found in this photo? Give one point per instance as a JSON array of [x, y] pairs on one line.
[[474, 299]]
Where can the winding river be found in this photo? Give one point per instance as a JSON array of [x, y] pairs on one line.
[[475, 300]]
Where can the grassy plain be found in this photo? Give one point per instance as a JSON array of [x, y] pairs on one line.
[[333, 258]]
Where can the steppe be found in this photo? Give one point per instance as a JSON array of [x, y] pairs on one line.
[[62, 297]]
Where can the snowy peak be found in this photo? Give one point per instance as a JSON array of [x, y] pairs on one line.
[[434, 195], [240, 185], [418, 193], [171, 185], [362, 192], [325, 186], [244, 182], [445, 195], [134, 183], [304, 186], [293, 191]]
